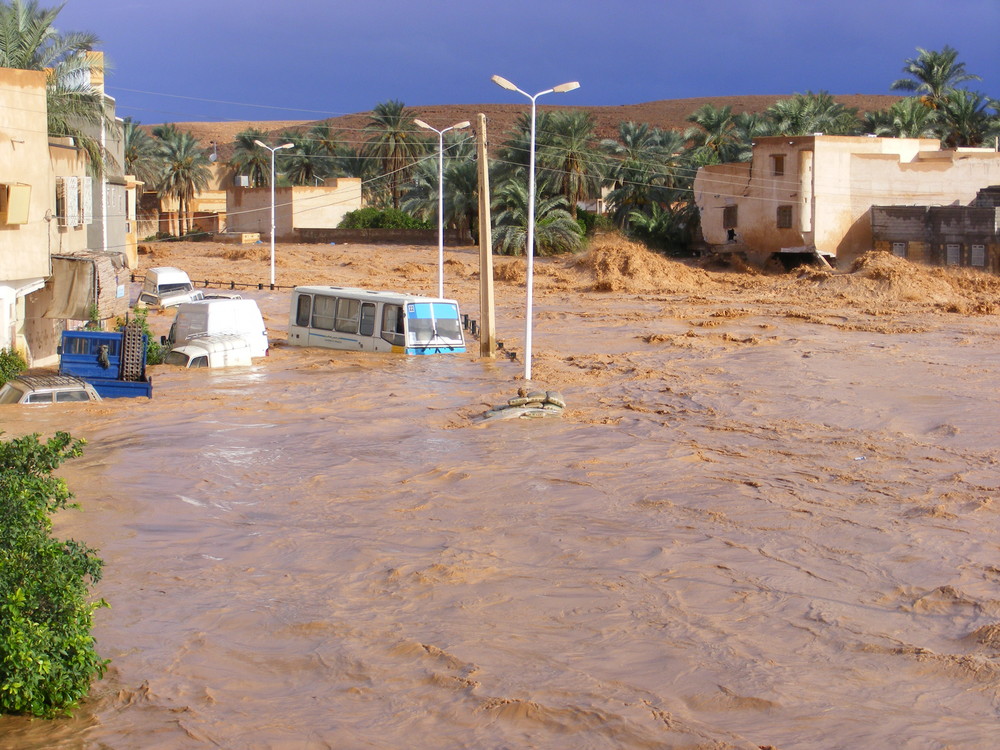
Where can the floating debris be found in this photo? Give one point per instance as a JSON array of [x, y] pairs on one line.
[[525, 405]]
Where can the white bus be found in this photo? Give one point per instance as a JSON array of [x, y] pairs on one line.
[[360, 320]]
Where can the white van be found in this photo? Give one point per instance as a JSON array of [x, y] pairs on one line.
[[166, 286], [212, 317], [224, 350]]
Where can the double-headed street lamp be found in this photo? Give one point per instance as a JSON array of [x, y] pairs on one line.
[[272, 150], [530, 243], [456, 126]]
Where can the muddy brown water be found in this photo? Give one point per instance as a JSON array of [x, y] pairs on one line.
[[768, 517]]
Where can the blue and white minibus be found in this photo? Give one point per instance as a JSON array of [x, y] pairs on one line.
[[361, 320]]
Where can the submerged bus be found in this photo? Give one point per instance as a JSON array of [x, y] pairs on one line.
[[360, 320]]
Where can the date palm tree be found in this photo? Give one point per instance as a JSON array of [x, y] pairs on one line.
[[812, 113], [567, 160], [142, 153], [934, 75], [30, 41], [964, 119], [641, 161], [555, 230], [308, 163], [907, 118], [461, 185], [714, 139], [185, 173], [250, 160], [394, 143]]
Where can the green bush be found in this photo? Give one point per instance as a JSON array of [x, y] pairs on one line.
[[47, 654], [374, 218], [590, 222], [12, 364], [155, 352]]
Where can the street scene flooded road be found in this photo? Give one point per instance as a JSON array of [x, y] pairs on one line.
[[766, 518]]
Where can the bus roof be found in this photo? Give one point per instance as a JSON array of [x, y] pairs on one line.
[[370, 295]]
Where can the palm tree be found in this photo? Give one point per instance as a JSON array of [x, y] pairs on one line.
[[567, 159], [642, 161], [142, 153], [185, 173], [811, 113], [555, 230], [933, 74], [715, 140], [461, 185], [394, 143], [308, 162], [906, 118], [964, 119], [29, 41], [250, 160]]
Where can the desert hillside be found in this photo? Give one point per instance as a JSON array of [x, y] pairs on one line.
[[666, 113]]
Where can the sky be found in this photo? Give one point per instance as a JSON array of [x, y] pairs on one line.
[[236, 60]]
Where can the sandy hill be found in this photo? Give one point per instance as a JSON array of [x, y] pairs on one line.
[[666, 113]]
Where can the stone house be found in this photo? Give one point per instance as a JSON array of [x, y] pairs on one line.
[[248, 210], [814, 193], [942, 235]]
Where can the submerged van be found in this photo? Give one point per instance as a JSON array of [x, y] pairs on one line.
[[226, 350], [213, 317], [166, 286], [361, 320]]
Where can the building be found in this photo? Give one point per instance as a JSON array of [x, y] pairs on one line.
[[295, 208], [64, 231], [813, 194], [966, 236]]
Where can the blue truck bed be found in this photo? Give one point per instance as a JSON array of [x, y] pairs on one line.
[[96, 356]]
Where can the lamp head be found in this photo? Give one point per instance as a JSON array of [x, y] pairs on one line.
[[563, 87], [463, 124], [503, 83], [262, 145], [422, 124], [287, 145]]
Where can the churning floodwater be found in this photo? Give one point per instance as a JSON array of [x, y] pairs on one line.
[[751, 527]]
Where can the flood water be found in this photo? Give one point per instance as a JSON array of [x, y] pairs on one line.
[[752, 529]]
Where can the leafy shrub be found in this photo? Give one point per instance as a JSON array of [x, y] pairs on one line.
[[47, 654], [12, 364], [591, 222], [374, 218], [155, 352]]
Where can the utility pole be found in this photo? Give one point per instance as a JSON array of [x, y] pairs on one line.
[[487, 328]]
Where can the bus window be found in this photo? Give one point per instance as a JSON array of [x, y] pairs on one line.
[[367, 319], [348, 312], [303, 310], [433, 324], [323, 312], [392, 324]]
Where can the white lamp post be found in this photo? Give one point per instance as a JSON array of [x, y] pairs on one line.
[[530, 243], [272, 150], [456, 126]]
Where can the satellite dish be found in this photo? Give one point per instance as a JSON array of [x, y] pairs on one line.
[[213, 157]]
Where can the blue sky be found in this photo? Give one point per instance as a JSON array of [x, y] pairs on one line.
[[211, 60]]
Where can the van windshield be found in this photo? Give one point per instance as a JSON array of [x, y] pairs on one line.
[[175, 357], [433, 324]]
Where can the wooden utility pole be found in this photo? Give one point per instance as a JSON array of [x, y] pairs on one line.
[[487, 328]]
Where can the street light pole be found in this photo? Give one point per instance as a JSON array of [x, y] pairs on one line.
[[530, 243], [272, 150], [440, 133]]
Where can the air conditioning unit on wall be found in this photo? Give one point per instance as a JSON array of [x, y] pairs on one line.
[[242, 181]]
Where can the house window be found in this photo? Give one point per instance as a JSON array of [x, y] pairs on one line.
[[777, 164], [953, 255], [729, 217], [899, 249], [784, 217], [977, 256]]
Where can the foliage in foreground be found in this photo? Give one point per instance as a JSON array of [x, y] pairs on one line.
[[47, 654], [12, 364], [390, 218]]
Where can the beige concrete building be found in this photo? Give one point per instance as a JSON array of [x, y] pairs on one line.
[[64, 232], [805, 193], [295, 208]]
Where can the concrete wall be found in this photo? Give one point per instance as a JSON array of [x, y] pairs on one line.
[[830, 183], [320, 207]]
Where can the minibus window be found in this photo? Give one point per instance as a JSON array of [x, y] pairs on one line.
[[303, 310], [392, 324], [433, 324], [367, 319], [323, 312], [348, 311]]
